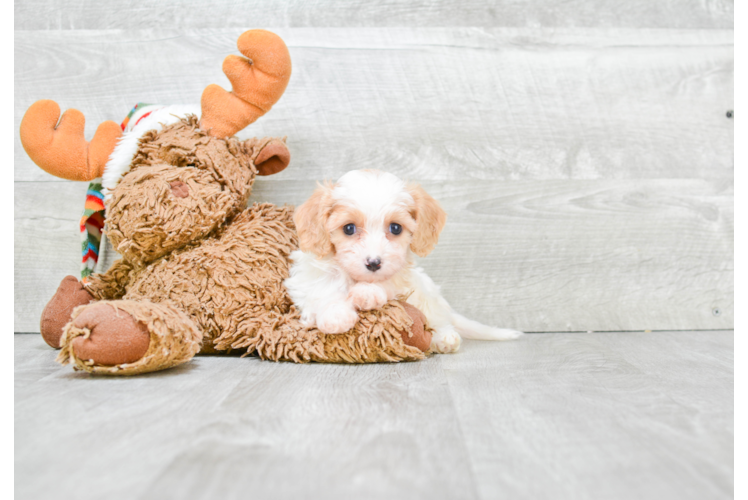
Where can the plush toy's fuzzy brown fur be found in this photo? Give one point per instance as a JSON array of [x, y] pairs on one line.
[[202, 273]]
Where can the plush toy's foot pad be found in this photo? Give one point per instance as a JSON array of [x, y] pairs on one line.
[[128, 337], [115, 336], [419, 336], [70, 294]]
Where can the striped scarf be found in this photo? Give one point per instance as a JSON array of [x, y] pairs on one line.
[[92, 221]]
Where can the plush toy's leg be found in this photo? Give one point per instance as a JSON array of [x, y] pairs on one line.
[[112, 284], [396, 332], [70, 294], [125, 337]]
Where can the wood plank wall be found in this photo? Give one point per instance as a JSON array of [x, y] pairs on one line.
[[582, 149]]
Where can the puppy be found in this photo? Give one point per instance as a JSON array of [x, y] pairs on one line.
[[358, 238]]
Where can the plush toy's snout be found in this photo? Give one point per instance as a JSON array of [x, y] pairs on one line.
[[179, 189]]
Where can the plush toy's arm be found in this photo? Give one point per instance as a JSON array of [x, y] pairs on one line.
[[112, 284]]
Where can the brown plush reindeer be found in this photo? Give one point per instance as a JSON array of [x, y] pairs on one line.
[[200, 272]]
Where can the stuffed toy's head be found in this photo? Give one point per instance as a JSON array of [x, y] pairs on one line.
[[182, 185], [170, 175]]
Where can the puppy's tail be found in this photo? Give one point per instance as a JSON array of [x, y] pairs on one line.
[[470, 329]]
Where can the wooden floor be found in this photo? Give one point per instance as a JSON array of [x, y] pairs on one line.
[[577, 416]]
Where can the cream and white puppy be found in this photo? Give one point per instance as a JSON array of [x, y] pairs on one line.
[[358, 238]]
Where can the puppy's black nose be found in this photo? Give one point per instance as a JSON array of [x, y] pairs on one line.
[[373, 264]]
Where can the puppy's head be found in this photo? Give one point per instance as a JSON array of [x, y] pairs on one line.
[[370, 221]]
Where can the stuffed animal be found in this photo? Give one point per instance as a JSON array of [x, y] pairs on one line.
[[200, 271]]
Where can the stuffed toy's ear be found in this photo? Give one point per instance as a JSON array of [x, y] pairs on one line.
[[273, 157], [430, 217], [258, 82], [61, 149]]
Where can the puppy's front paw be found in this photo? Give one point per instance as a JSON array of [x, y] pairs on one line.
[[307, 320], [337, 318], [367, 296], [445, 340]]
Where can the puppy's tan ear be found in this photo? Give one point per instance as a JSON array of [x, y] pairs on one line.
[[430, 218], [310, 219]]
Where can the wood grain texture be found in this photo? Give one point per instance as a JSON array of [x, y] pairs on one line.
[[46, 245], [587, 172], [557, 255], [646, 416], [576, 416], [131, 14], [739, 180], [738, 213], [221, 427], [440, 103]]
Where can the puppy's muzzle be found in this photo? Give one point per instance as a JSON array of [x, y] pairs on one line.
[[373, 265]]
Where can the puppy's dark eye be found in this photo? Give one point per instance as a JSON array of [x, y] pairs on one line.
[[349, 229], [396, 228]]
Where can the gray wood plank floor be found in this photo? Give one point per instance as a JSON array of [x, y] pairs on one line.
[[577, 416]]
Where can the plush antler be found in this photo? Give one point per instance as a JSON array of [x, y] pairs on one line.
[[258, 82], [62, 150]]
